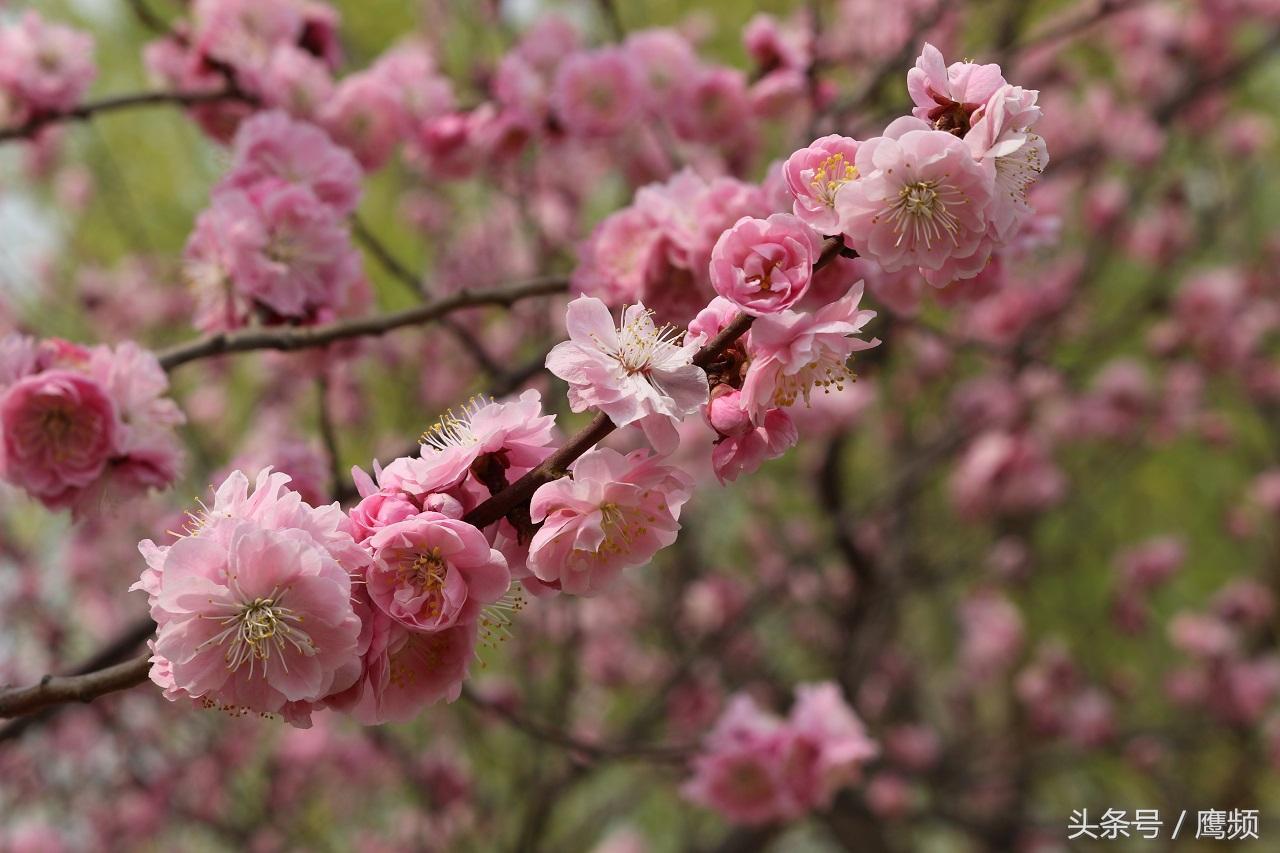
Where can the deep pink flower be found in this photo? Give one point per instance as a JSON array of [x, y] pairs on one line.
[[765, 265], [597, 93], [793, 353], [628, 372], [716, 108], [58, 430], [920, 199], [47, 66], [815, 174], [615, 512], [432, 572], [273, 146]]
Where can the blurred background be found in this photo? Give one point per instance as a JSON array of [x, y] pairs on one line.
[[1035, 543]]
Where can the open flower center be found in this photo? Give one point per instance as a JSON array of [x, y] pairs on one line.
[[641, 343], [257, 629], [455, 429], [921, 213], [829, 177], [426, 571], [828, 372]]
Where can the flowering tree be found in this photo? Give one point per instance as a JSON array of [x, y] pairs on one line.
[[794, 425]]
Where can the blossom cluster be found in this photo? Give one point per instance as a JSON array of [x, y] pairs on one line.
[[44, 69], [755, 768], [84, 425], [273, 245]]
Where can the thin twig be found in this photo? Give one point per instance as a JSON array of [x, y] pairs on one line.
[[60, 689]]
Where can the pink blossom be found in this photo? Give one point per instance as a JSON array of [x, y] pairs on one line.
[[403, 671], [815, 174], [47, 67], [294, 81], [743, 445], [828, 745], [596, 93], [516, 434], [765, 265], [276, 247], [630, 372], [1005, 474], [772, 47], [992, 635], [243, 33], [432, 572], [920, 200], [1002, 135], [253, 608], [147, 453], [666, 64], [738, 773], [716, 108], [273, 146], [947, 96], [365, 116], [58, 431], [622, 259], [792, 353], [614, 512]]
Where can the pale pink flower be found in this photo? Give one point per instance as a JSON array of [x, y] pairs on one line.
[[47, 66], [597, 93], [629, 372], [273, 146], [515, 434], [147, 453], [992, 635], [294, 81], [254, 607], [432, 572], [244, 32], [738, 773], [409, 71], [613, 513], [815, 174], [793, 353], [404, 671], [716, 108], [666, 64], [58, 431], [828, 745], [1005, 473], [920, 199], [765, 265], [947, 96], [276, 247], [1001, 135]]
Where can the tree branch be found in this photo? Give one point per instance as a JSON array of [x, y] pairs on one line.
[[289, 338], [89, 109], [59, 689]]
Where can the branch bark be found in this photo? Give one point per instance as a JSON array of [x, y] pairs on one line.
[[89, 109], [289, 338], [60, 689]]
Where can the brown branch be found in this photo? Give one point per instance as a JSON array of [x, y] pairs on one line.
[[289, 338], [590, 749], [89, 109], [59, 689]]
